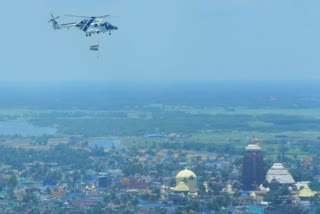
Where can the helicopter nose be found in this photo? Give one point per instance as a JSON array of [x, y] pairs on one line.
[[116, 28]]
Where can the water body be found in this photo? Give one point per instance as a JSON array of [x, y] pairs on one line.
[[106, 143], [24, 129]]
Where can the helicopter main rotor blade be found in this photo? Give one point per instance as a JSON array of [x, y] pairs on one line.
[[78, 16], [103, 16], [88, 16]]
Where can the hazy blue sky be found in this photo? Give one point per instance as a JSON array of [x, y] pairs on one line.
[[163, 40]]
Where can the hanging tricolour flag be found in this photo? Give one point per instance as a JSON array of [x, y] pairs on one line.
[[94, 47]]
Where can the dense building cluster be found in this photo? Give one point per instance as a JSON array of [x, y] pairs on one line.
[[131, 180]]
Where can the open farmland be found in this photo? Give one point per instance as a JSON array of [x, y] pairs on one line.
[[183, 127]]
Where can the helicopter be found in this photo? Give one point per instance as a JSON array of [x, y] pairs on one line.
[[89, 25]]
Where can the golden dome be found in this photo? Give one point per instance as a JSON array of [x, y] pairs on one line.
[[188, 178], [186, 173], [182, 187]]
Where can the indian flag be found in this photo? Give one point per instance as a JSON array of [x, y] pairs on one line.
[[94, 47]]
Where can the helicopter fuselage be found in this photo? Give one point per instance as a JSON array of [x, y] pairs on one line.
[[89, 25]]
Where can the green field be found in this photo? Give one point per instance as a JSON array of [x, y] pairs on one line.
[[205, 128]]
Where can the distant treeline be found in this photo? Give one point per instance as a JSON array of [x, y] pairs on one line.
[[118, 124]]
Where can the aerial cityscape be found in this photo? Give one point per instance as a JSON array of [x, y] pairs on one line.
[[160, 107], [149, 150]]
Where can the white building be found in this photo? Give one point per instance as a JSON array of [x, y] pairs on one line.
[[280, 174]]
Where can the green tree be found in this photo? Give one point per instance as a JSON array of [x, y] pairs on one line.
[[214, 205], [315, 185], [13, 181], [30, 197]]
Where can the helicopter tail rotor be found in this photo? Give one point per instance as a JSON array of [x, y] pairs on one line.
[[54, 22]]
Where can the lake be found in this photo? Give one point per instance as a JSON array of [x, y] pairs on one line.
[[24, 129]]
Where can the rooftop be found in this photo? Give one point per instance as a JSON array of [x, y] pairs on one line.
[[306, 192], [253, 147], [280, 174]]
